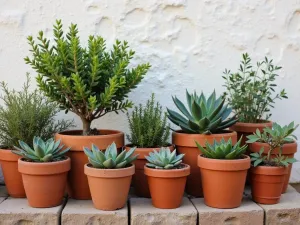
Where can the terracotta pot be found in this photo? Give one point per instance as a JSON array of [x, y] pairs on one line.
[[109, 187], [185, 144], [167, 186], [12, 177], [139, 179], [223, 181], [267, 183], [287, 150], [44, 183], [78, 187]]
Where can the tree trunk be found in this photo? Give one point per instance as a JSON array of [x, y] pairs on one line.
[[86, 127]]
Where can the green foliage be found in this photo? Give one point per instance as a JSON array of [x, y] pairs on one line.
[[203, 116], [275, 137], [42, 151], [148, 126], [110, 159], [223, 149], [26, 114], [250, 91], [91, 81], [164, 159]]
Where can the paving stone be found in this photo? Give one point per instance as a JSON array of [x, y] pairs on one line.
[[15, 211], [143, 213], [248, 213], [82, 212], [286, 212], [2, 199], [3, 191]]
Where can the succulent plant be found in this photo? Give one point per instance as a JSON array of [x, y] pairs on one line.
[[164, 159], [42, 151], [205, 115], [223, 149], [110, 159]]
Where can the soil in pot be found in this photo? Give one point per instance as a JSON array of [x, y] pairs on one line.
[[139, 179], [267, 183], [109, 187], [185, 144], [78, 187], [12, 177], [167, 186], [44, 183], [223, 181], [288, 150]]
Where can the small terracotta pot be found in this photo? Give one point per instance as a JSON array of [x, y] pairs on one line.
[[77, 181], [223, 181], [109, 187], [185, 144], [44, 183], [167, 186], [12, 177], [267, 183], [139, 179], [287, 150]]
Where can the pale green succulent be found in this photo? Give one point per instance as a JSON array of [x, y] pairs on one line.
[[164, 159], [42, 151], [110, 159]]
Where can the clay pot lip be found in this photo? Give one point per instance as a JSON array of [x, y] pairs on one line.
[[7, 155], [70, 134], [287, 148], [145, 151], [44, 168], [250, 127], [269, 170], [109, 173], [171, 173], [224, 165]]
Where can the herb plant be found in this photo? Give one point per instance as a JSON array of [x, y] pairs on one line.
[[275, 137], [89, 81], [250, 91], [148, 125], [203, 115], [164, 159]]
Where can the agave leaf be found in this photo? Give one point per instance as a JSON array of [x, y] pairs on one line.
[[121, 164], [50, 147], [62, 153], [26, 148], [182, 108], [172, 155], [95, 163], [168, 166], [203, 123], [88, 153], [188, 99], [121, 157], [211, 101], [131, 159], [196, 111], [47, 158], [193, 125], [177, 163], [109, 163], [129, 153], [150, 165], [216, 111]]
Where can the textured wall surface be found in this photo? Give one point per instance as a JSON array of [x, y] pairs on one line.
[[188, 42]]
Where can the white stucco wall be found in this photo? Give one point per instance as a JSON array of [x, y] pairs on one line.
[[188, 42]]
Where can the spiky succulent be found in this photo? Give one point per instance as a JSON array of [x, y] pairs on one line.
[[110, 159], [223, 149], [43, 151], [164, 159], [203, 116]]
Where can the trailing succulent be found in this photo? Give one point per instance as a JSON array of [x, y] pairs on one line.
[[164, 159], [223, 149], [43, 151], [203, 115], [110, 159]]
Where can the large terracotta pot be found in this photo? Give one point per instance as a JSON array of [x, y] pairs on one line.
[[287, 150], [44, 183], [109, 187], [223, 181], [185, 144], [167, 186], [245, 129], [77, 181], [267, 183], [12, 177], [139, 179]]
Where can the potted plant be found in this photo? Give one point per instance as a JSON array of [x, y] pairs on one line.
[[166, 176], [223, 167], [88, 81], [24, 114], [148, 130], [250, 94], [274, 146], [109, 175], [204, 119], [44, 170]]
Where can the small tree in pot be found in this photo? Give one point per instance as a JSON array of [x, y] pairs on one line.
[[89, 82]]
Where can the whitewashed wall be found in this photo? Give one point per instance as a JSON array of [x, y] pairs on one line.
[[188, 42]]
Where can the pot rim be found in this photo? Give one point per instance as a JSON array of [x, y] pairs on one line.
[[113, 133], [250, 127], [224, 164], [7, 155], [269, 170], [109, 173], [169, 173], [145, 151], [287, 148]]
